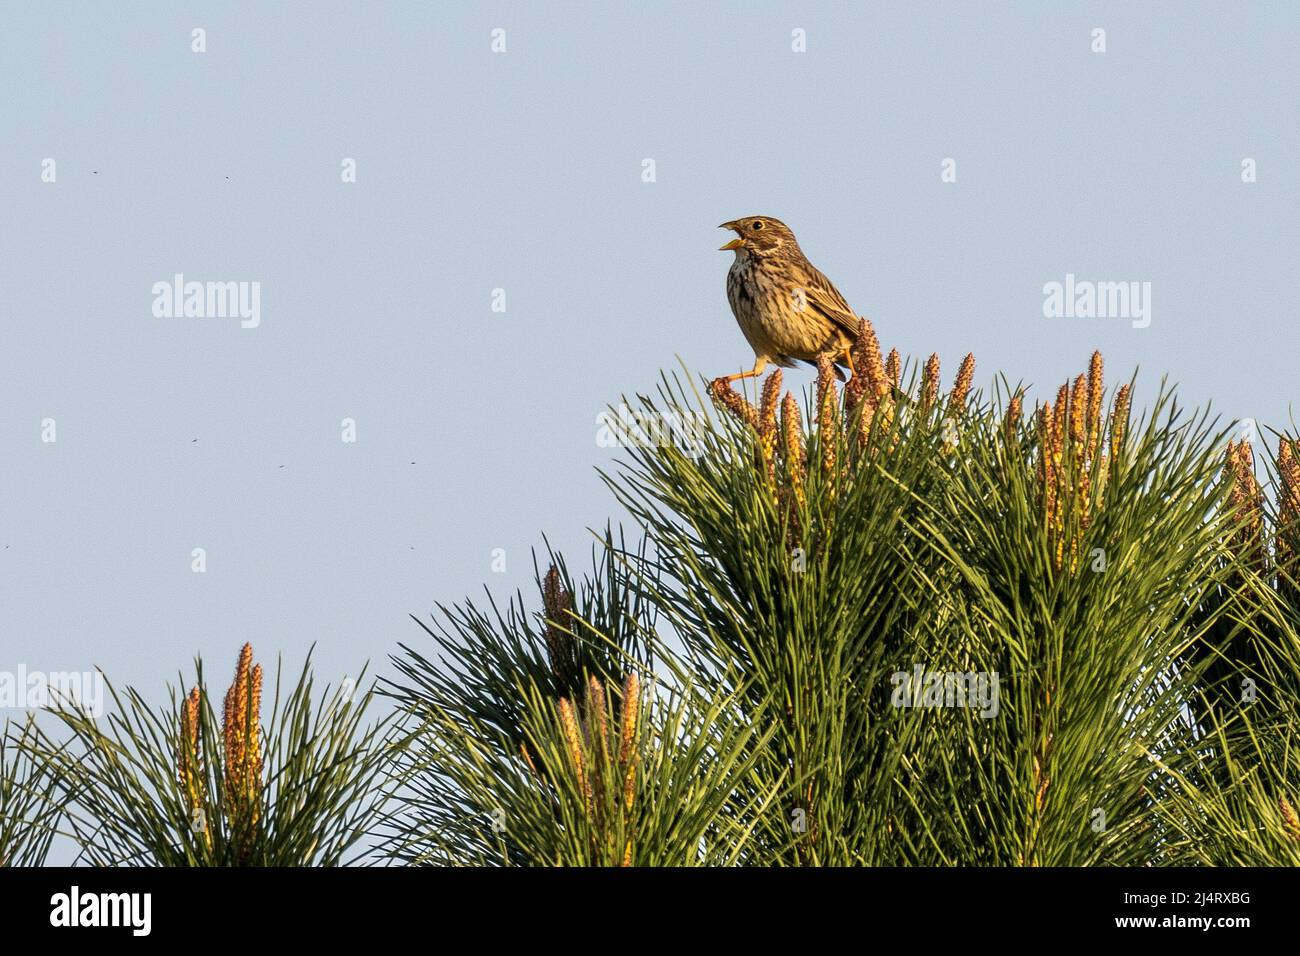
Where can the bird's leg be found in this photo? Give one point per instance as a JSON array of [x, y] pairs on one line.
[[848, 358], [760, 363]]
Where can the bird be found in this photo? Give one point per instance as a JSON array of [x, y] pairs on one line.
[[786, 308]]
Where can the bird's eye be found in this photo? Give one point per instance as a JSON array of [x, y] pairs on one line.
[[758, 225]]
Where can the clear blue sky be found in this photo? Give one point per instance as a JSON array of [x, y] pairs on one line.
[[522, 171]]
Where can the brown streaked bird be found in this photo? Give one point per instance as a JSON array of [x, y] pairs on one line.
[[786, 308]]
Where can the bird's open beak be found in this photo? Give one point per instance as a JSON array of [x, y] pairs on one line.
[[739, 242]]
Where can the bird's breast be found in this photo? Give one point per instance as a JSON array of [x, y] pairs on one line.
[[772, 308]]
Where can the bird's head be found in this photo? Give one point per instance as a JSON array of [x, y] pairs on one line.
[[759, 236]]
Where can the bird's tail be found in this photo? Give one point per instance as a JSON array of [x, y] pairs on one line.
[[838, 368]]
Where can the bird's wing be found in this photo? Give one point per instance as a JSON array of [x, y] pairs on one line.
[[826, 301]]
